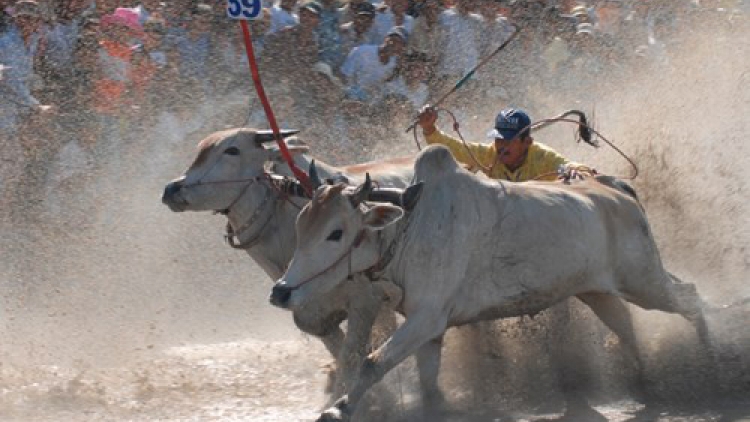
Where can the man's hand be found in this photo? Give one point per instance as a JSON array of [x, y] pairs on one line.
[[426, 119], [576, 173]]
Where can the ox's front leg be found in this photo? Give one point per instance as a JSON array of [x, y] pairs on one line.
[[417, 330], [364, 303], [325, 324]]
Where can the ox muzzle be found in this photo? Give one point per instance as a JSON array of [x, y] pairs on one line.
[[171, 196], [280, 295]]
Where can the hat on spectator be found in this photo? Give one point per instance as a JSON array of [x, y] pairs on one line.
[[28, 8], [399, 31], [202, 9], [312, 6], [122, 17], [365, 8], [509, 124]]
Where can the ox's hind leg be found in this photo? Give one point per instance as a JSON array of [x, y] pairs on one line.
[[670, 294], [616, 316]]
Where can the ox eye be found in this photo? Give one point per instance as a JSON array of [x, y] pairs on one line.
[[335, 235], [232, 151]]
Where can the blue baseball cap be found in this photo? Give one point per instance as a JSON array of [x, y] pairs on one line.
[[509, 123]]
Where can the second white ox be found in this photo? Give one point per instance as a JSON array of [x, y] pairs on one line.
[[475, 249]]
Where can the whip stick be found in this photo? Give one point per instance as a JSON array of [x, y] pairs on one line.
[[469, 74], [299, 174]]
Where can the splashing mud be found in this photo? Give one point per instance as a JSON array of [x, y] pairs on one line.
[[113, 308]]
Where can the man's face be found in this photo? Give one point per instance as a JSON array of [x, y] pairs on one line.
[[308, 20], [399, 6], [363, 23], [512, 152], [394, 45]]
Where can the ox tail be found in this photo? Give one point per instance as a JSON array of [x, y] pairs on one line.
[[708, 308], [618, 184], [740, 303]]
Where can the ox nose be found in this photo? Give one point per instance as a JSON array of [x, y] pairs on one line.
[[280, 295], [171, 189]]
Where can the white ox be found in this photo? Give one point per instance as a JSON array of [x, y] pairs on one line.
[[474, 249], [231, 175]]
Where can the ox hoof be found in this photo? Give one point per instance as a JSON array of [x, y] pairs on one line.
[[338, 413]]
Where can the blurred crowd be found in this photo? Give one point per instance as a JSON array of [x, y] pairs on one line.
[[94, 71]]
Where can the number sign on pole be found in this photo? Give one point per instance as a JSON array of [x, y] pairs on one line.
[[244, 9]]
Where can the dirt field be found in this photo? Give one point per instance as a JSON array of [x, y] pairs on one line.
[[115, 309]]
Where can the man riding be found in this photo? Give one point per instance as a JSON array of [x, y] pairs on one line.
[[514, 156]]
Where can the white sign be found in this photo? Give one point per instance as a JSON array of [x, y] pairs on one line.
[[244, 9]]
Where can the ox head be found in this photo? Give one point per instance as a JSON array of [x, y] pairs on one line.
[[226, 162], [334, 242]]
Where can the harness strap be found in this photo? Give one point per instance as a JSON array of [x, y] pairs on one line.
[[355, 244]]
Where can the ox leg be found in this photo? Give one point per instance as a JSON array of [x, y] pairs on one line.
[[364, 305], [672, 295], [413, 333], [327, 329], [428, 363], [613, 312]]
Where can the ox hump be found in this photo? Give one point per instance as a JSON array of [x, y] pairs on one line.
[[618, 184], [434, 160]]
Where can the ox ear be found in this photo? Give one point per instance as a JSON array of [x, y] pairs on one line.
[[382, 215]]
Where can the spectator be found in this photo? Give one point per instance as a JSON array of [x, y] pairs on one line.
[[148, 8], [393, 15], [359, 30], [369, 66], [115, 61], [193, 45], [495, 28], [295, 49], [20, 47], [462, 40], [349, 10], [329, 36], [282, 15], [291, 55], [428, 36]]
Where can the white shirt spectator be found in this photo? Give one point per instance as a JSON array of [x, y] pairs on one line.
[[281, 19], [462, 42], [364, 70], [350, 38], [385, 20]]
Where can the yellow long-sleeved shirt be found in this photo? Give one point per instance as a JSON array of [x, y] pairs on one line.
[[541, 161]]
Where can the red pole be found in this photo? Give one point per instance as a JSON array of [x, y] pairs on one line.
[[299, 174]]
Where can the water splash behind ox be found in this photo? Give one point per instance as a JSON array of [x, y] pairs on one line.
[[113, 308]]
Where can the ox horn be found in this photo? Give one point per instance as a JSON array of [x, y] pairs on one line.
[[263, 136], [362, 192], [314, 178]]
